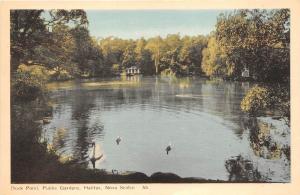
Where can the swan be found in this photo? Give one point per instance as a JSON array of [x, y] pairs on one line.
[[93, 159], [114, 171], [118, 140], [168, 148]]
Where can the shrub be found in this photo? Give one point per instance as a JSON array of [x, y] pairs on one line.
[[37, 71], [28, 82], [256, 101], [167, 72]]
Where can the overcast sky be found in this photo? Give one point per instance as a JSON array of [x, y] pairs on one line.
[[149, 23]]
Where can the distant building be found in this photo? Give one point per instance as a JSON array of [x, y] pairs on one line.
[[245, 73], [133, 70]]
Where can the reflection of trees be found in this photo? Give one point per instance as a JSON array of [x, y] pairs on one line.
[[178, 93], [59, 138], [221, 97], [224, 97], [262, 142], [182, 83], [265, 144], [82, 105], [242, 170], [85, 102], [158, 93]]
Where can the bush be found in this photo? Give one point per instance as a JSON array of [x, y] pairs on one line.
[[256, 101], [167, 72], [63, 76], [39, 72], [28, 82]]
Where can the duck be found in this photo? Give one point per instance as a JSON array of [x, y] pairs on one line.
[[168, 148], [118, 140], [93, 159]]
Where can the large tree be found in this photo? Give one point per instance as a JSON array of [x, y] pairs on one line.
[[157, 47], [27, 30], [191, 53], [257, 40], [143, 57], [33, 28]]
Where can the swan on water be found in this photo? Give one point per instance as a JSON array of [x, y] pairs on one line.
[[93, 159], [168, 148], [114, 171], [118, 140]]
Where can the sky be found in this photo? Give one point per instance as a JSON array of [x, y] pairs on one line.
[[133, 24]]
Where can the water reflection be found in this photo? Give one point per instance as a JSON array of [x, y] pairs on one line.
[[201, 118], [269, 141], [59, 138], [266, 140], [242, 170]]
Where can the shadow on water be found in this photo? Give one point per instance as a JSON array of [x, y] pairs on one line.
[[28, 154]]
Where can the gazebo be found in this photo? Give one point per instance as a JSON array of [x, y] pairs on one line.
[[133, 70], [245, 73]]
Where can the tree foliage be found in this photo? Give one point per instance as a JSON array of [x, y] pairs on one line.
[[257, 40], [262, 99], [256, 100], [29, 30], [214, 61], [29, 82]]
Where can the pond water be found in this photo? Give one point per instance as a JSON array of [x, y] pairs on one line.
[[209, 135]]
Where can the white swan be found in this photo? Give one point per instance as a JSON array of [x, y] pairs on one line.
[[93, 159]]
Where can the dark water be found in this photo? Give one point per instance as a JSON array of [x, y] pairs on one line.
[[209, 135]]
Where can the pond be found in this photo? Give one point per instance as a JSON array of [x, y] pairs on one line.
[[209, 135]]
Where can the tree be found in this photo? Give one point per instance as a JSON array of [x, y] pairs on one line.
[[76, 17], [213, 61], [30, 30], [58, 54], [112, 49], [129, 56], [260, 99], [87, 54], [143, 58], [170, 58], [256, 101], [36, 48], [156, 45], [27, 30], [29, 82], [191, 53], [257, 40], [172, 42]]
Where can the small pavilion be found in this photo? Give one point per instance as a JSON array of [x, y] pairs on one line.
[[132, 70], [245, 73]]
